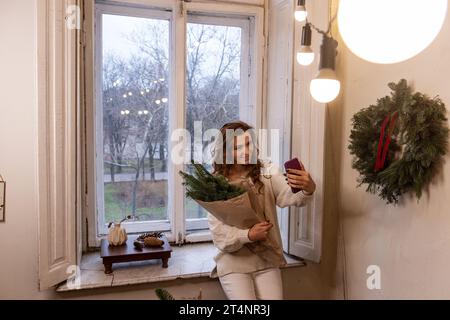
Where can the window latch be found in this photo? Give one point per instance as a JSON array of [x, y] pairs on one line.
[[182, 8], [180, 239]]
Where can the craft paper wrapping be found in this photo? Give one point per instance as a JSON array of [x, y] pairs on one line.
[[240, 212], [237, 212]]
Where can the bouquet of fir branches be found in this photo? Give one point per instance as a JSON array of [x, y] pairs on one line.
[[231, 204]]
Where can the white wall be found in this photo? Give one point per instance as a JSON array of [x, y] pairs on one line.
[[410, 243], [18, 237], [18, 165]]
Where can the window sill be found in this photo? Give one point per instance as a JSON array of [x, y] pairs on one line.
[[187, 261]]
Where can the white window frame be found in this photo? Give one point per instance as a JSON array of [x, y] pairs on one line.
[[198, 227], [58, 58], [279, 89], [101, 9], [304, 122], [177, 12]]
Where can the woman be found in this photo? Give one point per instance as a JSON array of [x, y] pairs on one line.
[[247, 274]]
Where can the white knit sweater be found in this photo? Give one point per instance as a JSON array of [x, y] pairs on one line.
[[234, 255]]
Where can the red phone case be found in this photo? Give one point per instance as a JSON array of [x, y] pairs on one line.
[[294, 164]]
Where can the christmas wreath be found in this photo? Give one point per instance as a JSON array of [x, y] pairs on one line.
[[399, 143]]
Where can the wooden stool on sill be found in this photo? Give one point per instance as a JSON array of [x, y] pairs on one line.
[[128, 253]]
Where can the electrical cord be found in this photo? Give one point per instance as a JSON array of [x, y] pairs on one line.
[[325, 33]]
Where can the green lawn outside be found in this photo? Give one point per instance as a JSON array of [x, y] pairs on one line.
[[118, 198], [157, 164], [118, 202]]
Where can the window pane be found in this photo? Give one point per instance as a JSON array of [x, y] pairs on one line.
[[135, 117], [213, 83]]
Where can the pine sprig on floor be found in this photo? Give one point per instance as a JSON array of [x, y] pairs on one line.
[[163, 294]]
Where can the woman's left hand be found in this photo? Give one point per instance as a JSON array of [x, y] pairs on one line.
[[301, 179]]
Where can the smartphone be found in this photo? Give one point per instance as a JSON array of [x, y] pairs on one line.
[[294, 164]]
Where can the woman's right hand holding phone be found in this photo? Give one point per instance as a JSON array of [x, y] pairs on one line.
[[259, 231]]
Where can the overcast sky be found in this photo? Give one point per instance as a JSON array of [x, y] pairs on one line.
[[117, 28]]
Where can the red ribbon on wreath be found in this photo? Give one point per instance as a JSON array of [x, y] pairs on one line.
[[383, 149]]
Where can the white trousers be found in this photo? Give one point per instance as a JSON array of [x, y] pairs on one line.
[[260, 285]]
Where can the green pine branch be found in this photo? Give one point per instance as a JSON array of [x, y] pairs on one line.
[[204, 186], [163, 294]]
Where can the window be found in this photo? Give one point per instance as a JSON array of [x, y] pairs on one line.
[[216, 81], [132, 117], [137, 106], [71, 157]]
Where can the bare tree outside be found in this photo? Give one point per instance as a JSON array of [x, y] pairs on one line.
[[213, 83], [136, 106]]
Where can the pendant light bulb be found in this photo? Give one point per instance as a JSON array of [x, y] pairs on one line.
[[305, 56], [300, 12], [326, 86]]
